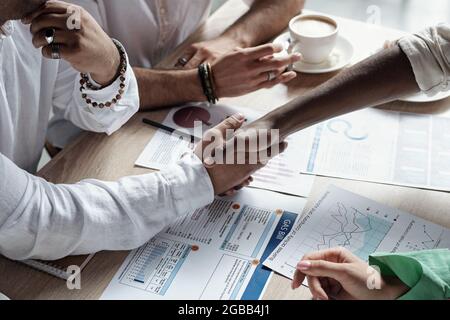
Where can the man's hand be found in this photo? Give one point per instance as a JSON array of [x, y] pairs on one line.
[[339, 274], [241, 71], [208, 51], [82, 42], [247, 70], [229, 177]]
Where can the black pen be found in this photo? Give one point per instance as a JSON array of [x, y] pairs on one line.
[[169, 129]]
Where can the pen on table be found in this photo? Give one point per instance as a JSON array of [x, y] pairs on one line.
[[169, 129]]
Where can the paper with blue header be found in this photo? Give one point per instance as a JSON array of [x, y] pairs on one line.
[[214, 253]]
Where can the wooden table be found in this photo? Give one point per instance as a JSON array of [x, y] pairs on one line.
[[110, 158]]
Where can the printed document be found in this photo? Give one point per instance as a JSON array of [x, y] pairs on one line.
[[213, 253], [341, 218], [380, 146]]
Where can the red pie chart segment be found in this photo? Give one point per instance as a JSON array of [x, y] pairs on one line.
[[186, 117]]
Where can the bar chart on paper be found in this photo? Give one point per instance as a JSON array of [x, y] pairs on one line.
[[212, 253], [155, 265], [344, 219]]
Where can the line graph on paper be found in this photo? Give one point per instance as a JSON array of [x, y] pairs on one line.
[[363, 226], [359, 231], [426, 238]]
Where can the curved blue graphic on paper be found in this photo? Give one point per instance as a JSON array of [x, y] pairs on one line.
[[345, 127]]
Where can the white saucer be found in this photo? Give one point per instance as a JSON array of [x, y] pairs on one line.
[[422, 97], [340, 57]]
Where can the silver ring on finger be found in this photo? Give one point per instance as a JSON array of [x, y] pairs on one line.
[[183, 61], [56, 55], [271, 75], [50, 35]]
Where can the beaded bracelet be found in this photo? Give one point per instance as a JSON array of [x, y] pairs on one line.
[[206, 79], [86, 83]]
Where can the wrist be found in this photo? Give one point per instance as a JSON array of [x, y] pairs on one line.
[[235, 40], [295, 116], [394, 288], [193, 89], [109, 71], [279, 121]]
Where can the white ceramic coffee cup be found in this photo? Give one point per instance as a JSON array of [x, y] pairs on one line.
[[314, 49]]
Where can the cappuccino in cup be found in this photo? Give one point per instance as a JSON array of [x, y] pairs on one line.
[[313, 36], [310, 27]]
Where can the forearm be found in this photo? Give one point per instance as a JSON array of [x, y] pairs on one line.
[[42, 220], [264, 20], [161, 88], [379, 79]]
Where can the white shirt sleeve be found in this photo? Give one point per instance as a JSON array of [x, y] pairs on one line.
[[68, 101], [429, 54], [42, 220]]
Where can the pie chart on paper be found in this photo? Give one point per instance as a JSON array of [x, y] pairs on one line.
[[186, 117]]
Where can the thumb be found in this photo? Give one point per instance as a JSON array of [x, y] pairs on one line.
[[219, 134], [322, 268], [231, 123]]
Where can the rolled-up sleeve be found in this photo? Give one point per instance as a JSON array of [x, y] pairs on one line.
[[68, 101], [42, 220], [429, 54], [426, 273]]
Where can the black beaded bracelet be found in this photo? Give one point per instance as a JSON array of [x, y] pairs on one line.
[[86, 83], [206, 79]]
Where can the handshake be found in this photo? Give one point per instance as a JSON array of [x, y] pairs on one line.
[[231, 154]]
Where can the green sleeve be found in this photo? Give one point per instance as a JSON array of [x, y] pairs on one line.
[[427, 273]]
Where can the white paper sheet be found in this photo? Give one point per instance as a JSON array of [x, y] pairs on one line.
[[380, 146], [282, 174], [342, 218], [163, 150], [213, 253]]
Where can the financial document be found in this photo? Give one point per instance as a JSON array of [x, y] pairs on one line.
[[282, 174], [163, 150], [213, 253], [341, 218], [380, 146]]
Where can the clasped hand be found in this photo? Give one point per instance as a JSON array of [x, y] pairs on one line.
[[82, 42], [231, 168]]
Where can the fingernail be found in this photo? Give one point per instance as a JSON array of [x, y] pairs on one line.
[[239, 116], [278, 47], [298, 56], [304, 265]]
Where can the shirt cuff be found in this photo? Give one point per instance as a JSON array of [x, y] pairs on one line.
[[97, 86], [426, 53], [191, 186], [414, 271], [109, 120]]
